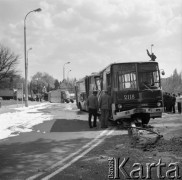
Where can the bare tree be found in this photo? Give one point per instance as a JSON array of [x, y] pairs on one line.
[[8, 62]]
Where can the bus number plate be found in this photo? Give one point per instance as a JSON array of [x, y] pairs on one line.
[[129, 96]]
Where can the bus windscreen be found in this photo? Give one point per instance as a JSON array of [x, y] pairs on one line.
[[148, 76]]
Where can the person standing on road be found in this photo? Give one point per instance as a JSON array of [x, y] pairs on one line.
[[92, 104], [165, 101], [105, 106], [178, 100], [173, 102], [170, 102]]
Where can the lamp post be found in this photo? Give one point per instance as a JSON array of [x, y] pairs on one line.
[[25, 52], [64, 70], [151, 47], [38, 89], [68, 74], [27, 64], [27, 58]]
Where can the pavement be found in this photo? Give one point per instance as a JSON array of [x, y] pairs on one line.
[[4, 108]]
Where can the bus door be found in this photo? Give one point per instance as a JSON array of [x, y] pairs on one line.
[[98, 86], [108, 82]]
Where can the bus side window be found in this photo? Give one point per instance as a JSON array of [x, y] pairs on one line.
[[98, 83], [108, 79], [82, 96]]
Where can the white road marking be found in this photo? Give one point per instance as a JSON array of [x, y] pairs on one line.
[[77, 157], [91, 143]]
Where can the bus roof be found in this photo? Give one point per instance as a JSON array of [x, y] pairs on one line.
[[94, 74], [133, 62], [115, 63]]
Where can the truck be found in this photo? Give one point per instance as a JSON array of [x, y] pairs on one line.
[[7, 94], [59, 96], [65, 96]]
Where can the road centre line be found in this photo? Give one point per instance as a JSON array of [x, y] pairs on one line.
[[107, 131], [78, 157]]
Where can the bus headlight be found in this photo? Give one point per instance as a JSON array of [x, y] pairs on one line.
[[120, 106], [159, 104]]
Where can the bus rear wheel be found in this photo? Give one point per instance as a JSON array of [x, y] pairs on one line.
[[145, 119]]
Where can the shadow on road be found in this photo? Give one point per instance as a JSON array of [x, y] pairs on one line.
[[72, 125], [21, 160]]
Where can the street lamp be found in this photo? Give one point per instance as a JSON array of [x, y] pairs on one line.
[[68, 73], [25, 52], [64, 70]]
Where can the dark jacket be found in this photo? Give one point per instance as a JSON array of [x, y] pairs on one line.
[[92, 102], [105, 102]]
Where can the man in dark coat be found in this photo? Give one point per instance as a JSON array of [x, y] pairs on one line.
[[105, 106], [173, 103], [178, 100], [92, 103]]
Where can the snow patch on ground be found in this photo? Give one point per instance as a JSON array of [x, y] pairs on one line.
[[12, 124]]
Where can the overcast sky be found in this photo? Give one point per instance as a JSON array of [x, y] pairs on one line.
[[92, 34]]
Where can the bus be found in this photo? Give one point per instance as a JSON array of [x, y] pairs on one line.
[[84, 87], [135, 88]]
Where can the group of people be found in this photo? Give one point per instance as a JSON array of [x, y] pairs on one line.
[[170, 101], [104, 105], [105, 102]]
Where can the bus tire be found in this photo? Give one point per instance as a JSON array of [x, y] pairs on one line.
[[145, 118]]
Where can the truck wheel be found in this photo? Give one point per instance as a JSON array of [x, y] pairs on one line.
[[145, 119]]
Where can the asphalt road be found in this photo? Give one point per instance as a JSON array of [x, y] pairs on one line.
[[54, 148], [49, 145]]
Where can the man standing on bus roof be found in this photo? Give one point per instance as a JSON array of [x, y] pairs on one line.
[[105, 106], [152, 55], [92, 104]]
